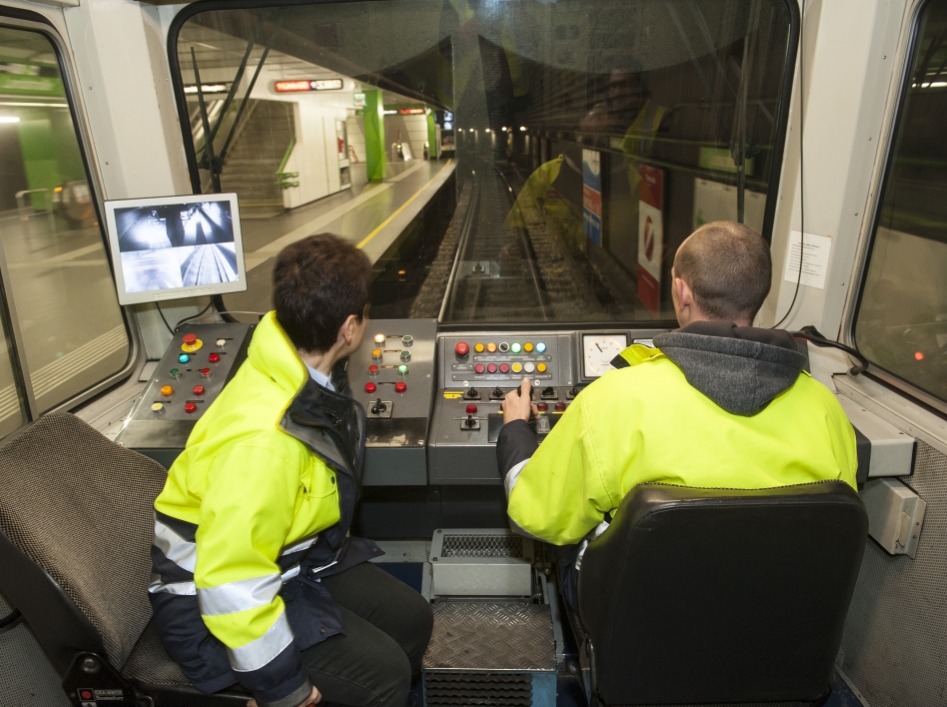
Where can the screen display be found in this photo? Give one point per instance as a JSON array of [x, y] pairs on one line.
[[168, 249]]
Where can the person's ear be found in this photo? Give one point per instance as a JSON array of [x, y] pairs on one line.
[[347, 331], [684, 295]]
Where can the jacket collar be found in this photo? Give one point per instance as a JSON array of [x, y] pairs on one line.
[[273, 354]]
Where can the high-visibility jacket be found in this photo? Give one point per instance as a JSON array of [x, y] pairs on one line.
[[646, 422], [254, 512]]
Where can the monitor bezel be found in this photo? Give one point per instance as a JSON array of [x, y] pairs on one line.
[[127, 298]]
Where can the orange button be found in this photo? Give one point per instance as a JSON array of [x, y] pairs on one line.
[[166, 390], [541, 367], [377, 354], [491, 348]]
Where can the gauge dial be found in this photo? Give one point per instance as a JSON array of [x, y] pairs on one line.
[[599, 350]]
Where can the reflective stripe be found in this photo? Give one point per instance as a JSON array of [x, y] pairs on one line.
[[512, 475], [256, 654], [596, 531], [181, 588], [239, 596], [175, 548], [290, 573], [301, 545]]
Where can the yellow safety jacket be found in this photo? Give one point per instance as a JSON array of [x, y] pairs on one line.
[[647, 423], [254, 511]]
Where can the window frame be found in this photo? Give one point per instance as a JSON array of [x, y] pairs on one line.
[[15, 18], [788, 86]]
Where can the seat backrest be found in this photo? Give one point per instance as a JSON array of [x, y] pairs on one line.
[[76, 527], [697, 596]]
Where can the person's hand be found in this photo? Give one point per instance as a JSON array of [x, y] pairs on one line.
[[517, 404], [315, 697]]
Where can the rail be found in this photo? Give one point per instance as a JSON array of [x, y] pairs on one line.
[[450, 299]]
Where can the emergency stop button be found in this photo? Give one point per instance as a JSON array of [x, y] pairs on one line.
[[462, 349], [190, 343]]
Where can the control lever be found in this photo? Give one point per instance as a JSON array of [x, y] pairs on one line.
[[497, 394], [549, 393], [378, 407], [572, 393], [472, 394], [470, 421]]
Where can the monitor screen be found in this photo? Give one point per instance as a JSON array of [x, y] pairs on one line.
[[174, 247]]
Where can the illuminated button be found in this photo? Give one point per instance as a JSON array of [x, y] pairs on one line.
[[199, 390], [492, 368], [515, 348], [190, 407], [480, 368], [471, 409], [400, 387], [221, 343], [205, 372], [461, 349], [157, 407], [379, 338], [214, 358], [540, 347], [373, 370], [377, 354], [175, 372], [167, 390], [542, 407], [405, 356], [491, 348], [184, 358], [504, 368], [560, 406], [478, 348], [370, 387], [529, 367], [517, 367], [403, 370], [528, 346], [504, 347], [540, 367], [407, 340]]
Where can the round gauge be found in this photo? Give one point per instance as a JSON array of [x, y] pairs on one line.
[[599, 351]]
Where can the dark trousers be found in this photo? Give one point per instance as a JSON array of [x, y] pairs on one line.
[[387, 629]]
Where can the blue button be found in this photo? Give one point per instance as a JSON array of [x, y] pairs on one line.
[[540, 347], [184, 358]]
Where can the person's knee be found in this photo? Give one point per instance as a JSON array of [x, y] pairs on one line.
[[419, 618], [394, 681]]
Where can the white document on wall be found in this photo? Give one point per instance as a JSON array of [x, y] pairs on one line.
[[815, 260]]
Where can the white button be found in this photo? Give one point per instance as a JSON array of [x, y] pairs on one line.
[[529, 367]]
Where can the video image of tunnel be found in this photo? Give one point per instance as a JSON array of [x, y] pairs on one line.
[[177, 245]]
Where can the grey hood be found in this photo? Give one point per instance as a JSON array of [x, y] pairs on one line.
[[740, 368]]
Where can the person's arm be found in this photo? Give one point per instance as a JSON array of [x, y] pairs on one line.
[[245, 516], [557, 491]]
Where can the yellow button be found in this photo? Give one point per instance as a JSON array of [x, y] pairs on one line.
[[376, 353], [527, 347], [478, 348], [517, 368], [491, 348], [166, 390], [541, 367], [157, 407]]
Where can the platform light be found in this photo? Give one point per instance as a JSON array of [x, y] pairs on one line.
[[488, 130], [522, 128], [9, 119], [504, 129]]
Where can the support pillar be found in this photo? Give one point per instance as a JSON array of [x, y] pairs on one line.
[[432, 137], [374, 136]]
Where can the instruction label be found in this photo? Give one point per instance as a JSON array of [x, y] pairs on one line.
[[815, 260]]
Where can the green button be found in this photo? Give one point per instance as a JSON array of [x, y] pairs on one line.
[[516, 348], [402, 369], [175, 372]]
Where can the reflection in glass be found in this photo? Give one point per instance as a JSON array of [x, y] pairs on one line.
[[901, 323], [73, 334], [586, 140]]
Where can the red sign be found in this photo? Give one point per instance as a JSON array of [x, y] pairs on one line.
[[291, 86], [411, 111]]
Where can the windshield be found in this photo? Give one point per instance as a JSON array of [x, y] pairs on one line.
[[524, 161]]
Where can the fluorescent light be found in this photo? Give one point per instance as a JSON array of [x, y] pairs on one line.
[[33, 105], [9, 119]]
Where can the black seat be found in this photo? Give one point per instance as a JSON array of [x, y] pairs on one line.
[[76, 527], [720, 596]]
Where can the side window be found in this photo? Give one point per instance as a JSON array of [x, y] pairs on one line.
[[64, 330]]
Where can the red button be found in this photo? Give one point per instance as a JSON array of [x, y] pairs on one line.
[[370, 387], [198, 390], [189, 339], [214, 358], [205, 372], [480, 368], [190, 407], [504, 368], [462, 349], [560, 406], [542, 407], [471, 409], [373, 370], [400, 387], [86, 694], [492, 368]]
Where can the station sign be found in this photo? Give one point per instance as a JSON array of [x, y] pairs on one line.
[[308, 85]]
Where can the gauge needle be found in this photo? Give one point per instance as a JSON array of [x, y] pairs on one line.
[[599, 348]]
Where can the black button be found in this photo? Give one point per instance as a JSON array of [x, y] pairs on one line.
[[332, 479]]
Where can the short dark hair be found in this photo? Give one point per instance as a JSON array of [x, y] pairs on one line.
[[728, 267], [317, 283]]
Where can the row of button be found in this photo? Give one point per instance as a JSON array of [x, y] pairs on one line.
[[167, 391], [213, 358], [528, 367], [176, 373], [462, 348], [400, 387], [378, 355], [406, 340], [542, 407], [189, 408], [374, 370]]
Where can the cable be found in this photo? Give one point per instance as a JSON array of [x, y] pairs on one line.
[[163, 319], [810, 333], [802, 190], [199, 314]]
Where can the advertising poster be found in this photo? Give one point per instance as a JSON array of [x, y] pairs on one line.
[[592, 195], [650, 236]]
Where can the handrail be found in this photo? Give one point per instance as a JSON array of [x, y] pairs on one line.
[[289, 151]]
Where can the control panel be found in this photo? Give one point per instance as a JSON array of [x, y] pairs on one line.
[[199, 361]]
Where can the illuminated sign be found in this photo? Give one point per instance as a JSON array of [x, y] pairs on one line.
[[208, 88], [411, 111], [358, 99], [308, 85]]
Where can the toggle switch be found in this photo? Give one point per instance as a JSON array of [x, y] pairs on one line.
[[378, 407]]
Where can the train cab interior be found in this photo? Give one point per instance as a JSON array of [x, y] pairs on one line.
[[520, 175]]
